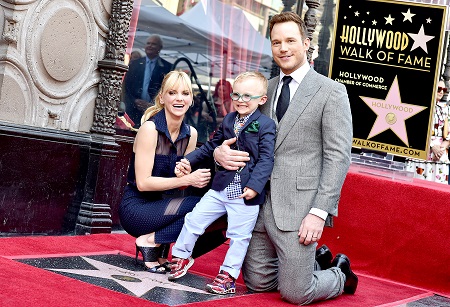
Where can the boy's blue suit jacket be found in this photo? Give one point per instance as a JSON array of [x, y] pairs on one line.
[[260, 146]]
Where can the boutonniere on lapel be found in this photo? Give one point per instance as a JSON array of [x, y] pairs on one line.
[[253, 127]]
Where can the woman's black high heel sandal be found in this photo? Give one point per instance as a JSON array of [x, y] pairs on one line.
[[149, 254], [164, 267]]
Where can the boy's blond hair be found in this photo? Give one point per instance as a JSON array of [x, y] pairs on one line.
[[253, 74]]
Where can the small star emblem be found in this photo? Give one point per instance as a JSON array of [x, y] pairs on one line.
[[420, 39], [389, 19], [408, 16]]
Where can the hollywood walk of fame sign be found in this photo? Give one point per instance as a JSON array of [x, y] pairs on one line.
[[387, 53]]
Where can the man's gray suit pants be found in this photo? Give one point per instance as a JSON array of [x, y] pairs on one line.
[[276, 260]]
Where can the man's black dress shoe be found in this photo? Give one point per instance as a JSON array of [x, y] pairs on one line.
[[351, 280], [324, 257]]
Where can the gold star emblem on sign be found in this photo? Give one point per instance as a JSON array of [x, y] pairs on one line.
[[391, 113]]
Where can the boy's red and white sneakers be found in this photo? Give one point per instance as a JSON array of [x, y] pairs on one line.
[[224, 283], [180, 267]]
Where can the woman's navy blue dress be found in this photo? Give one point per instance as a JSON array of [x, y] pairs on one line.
[[160, 212]]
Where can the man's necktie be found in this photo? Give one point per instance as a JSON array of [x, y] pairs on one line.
[[147, 78], [285, 97]]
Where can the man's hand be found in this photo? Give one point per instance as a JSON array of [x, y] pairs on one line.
[[228, 158], [311, 229], [141, 104], [248, 193]]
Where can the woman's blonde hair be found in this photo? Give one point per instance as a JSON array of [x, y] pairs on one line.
[[171, 80]]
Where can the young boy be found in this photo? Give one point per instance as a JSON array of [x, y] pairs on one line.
[[237, 193]]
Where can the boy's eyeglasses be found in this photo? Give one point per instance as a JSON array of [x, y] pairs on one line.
[[245, 97], [440, 88]]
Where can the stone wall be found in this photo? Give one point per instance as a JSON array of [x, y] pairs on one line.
[[62, 164], [49, 50]]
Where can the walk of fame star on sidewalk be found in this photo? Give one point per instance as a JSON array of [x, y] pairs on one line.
[[137, 282], [118, 272]]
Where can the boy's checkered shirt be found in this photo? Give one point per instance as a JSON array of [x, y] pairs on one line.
[[234, 189]]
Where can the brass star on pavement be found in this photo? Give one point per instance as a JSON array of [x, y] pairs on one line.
[[420, 39], [137, 282], [391, 113]]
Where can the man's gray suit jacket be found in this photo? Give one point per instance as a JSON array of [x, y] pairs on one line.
[[312, 150]]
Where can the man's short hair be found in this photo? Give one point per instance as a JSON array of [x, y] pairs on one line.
[[158, 38], [286, 17]]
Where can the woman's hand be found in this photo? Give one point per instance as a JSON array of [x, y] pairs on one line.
[[438, 151], [200, 178], [183, 167]]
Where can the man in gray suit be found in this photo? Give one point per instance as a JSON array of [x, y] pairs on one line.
[[312, 157]]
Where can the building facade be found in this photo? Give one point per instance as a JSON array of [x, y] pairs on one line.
[[59, 151]]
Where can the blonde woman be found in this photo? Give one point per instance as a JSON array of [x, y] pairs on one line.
[[152, 208]]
